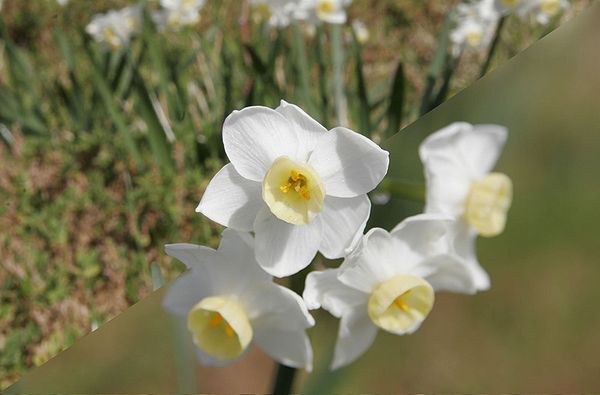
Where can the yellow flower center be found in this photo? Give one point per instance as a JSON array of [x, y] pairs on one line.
[[400, 304], [111, 38], [220, 327], [325, 7], [474, 37], [488, 202], [510, 3], [550, 7], [293, 191]]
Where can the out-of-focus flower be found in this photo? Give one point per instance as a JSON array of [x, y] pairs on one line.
[[544, 10], [474, 26], [229, 301], [388, 283], [115, 28], [505, 7], [360, 31], [279, 13], [299, 187], [330, 11], [458, 160], [178, 13], [62, 3]]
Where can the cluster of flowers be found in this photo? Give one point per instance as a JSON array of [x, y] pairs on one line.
[[115, 28], [293, 189], [476, 20]]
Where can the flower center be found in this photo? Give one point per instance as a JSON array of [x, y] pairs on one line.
[[488, 202], [400, 304], [293, 191], [220, 327], [510, 3], [325, 7], [474, 37], [550, 7]]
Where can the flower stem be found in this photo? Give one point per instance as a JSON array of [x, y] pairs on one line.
[[284, 380], [493, 46], [302, 66], [341, 111]]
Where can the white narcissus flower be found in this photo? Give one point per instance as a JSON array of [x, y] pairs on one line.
[[62, 3], [279, 13], [474, 26], [458, 160], [330, 11], [115, 28], [360, 31], [178, 13], [544, 10], [229, 302], [299, 187], [388, 283]]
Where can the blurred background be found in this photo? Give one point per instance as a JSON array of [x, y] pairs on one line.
[[104, 157]]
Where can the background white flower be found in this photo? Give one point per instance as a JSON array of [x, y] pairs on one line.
[[299, 187], [543, 10], [330, 11], [475, 24], [178, 13], [458, 160], [280, 13], [229, 301], [388, 283], [115, 28]]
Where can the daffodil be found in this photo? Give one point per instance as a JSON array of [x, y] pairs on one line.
[[474, 26], [543, 10], [178, 13], [279, 13], [330, 11], [458, 161], [388, 282], [115, 28], [299, 187], [229, 302]]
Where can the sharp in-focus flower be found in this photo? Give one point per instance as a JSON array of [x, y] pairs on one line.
[[115, 28], [229, 302], [330, 11], [299, 187], [458, 160], [178, 13], [279, 13], [474, 26], [544, 10], [388, 283]]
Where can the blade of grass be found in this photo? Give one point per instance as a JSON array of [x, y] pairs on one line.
[[338, 59], [396, 102], [364, 108]]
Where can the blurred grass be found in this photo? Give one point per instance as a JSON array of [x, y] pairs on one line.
[[105, 156]]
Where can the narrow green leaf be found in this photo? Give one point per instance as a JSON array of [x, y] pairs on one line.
[[364, 110], [396, 104]]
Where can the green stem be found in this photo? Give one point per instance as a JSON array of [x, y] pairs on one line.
[[403, 189], [302, 66], [493, 47], [337, 49], [284, 380]]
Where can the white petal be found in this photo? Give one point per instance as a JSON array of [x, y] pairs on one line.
[[447, 190], [234, 268], [349, 164], [449, 273], [291, 348], [273, 306], [342, 219], [254, 137], [323, 289], [465, 248], [191, 255], [355, 336], [307, 129], [425, 235], [474, 148], [231, 199], [187, 290], [283, 249], [378, 258]]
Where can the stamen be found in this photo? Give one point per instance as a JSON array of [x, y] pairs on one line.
[[216, 320], [399, 301], [228, 330], [298, 183]]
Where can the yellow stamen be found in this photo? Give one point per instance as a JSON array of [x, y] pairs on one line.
[[298, 183], [401, 303], [228, 330], [325, 7], [216, 320]]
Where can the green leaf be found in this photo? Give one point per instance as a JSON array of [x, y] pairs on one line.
[[396, 104], [364, 110]]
